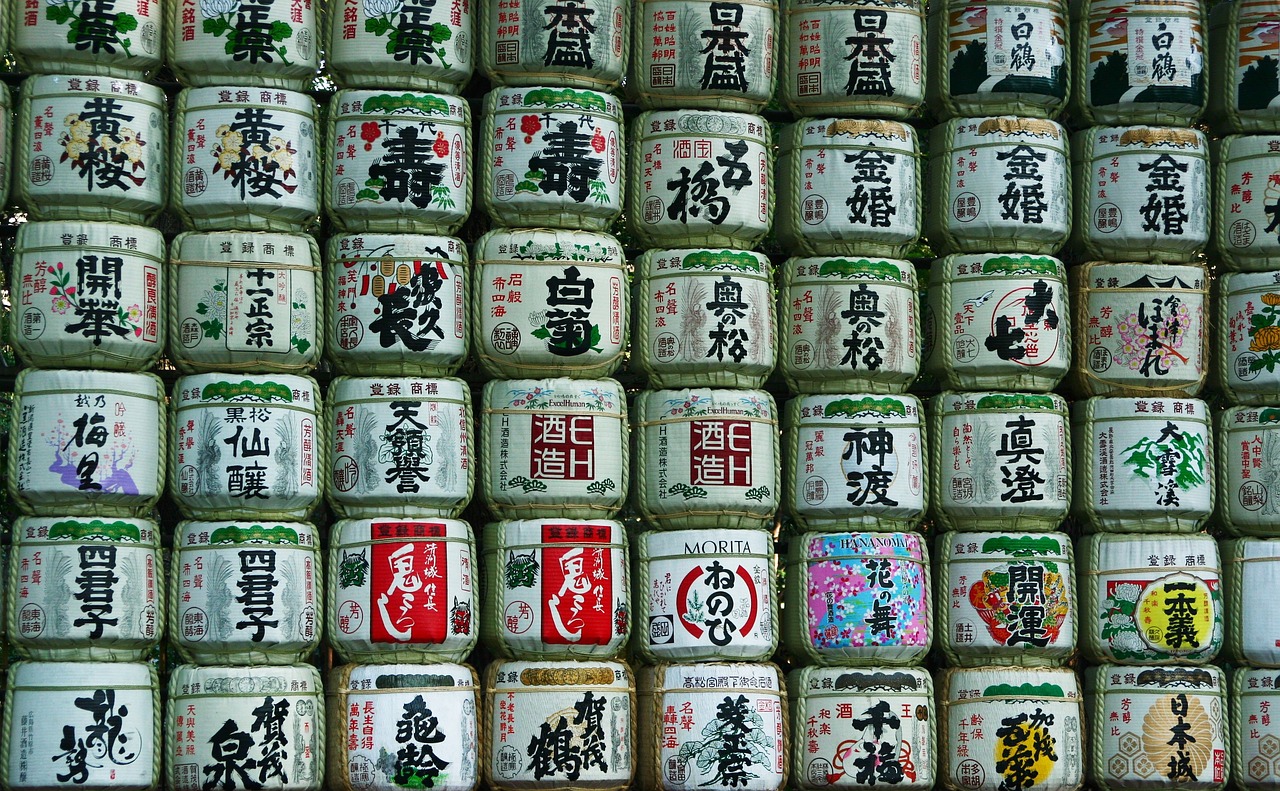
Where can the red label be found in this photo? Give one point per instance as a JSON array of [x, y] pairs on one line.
[[577, 586], [720, 453], [409, 596], [563, 447]]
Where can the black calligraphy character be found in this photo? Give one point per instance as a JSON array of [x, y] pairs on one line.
[[589, 717], [97, 27], [736, 175], [870, 484], [567, 162], [230, 759], [569, 44], [863, 315], [416, 303], [417, 764], [726, 50], [405, 444], [1181, 628], [98, 300], [269, 718], [1026, 599], [869, 56], [1162, 65], [879, 760], [1022, 57], [1166, 207], [1023, 197], [96, 582], [872, 200], [569, 331], [416, 36], [408, 169], [255, 34], [728, 308], [261, 168], [257, 586], [553, 751]]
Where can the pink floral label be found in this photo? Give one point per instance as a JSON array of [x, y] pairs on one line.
[[867, 590]]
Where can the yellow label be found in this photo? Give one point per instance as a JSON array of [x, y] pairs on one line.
[[1175, 614]]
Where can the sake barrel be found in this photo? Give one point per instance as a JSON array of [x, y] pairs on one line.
[[1244, 238], [400, 447], [245, 593], [554, 447], [402, 590], [1253, 740], [703, 54], [706, 458], [704, 317], [579, 44], [85, 589], [250, 161], [1143, 193], [1247, 336], [394, 725], [1138, 62], [1157, 728], [875, 460], [119, 38], [87, 442], [263, 726], [1004, 728], [260, 43], [705, 596], [1239, 38], [1248, 449], [1150, 599], [1004, 322], [91, 148], [1141, 329], [396, 304], [998, 58], [876, 71], [555, 589], [849, 323], [1006, 599], [999, 461], [557, 725], [1143, 464], [1251, 567], [397, 162], [858, 599], [415, 45], [91, 725], [556, 159], [1009, 187], [848, 187], [694, 714], [855, 727], [246, 447], [245, 302], [700, 178], [111, 319], [575, 320]]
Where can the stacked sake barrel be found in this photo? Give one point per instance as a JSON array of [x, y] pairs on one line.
[[84, 607], [549, 312]]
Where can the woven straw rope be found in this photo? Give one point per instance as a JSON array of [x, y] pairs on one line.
[[1233, 561]]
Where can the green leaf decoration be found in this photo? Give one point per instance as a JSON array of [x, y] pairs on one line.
[[391, 103], [565, 97], [126, 23], [111, 531], [1024, 690], [1021, 264], [849, 407], [239, 534], [59, 13], [862, 268], [212, 328], [230, 391], [1018, 401], [1023, 546], [377, 25], [280, 31]]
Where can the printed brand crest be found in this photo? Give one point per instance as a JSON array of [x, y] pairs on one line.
[[247, 445], [95, 148], [1146, 464], [120, 38], [1001, 461], [549, 302], [1251, 566], [555, 446], [581, 43], [870, 475], [859, 728], [87, 442], [398, 162], [244, 302], [1007, 598], [706, 598], [1248, 451], [555, 160], [1010, 729], [81, 724], [849, 187], [85, 589], [421, 45], [396, 304], [1246, 195], [250, 161], [245, 593], [704, 317], [243, 727], [707, 457], [1151, 599], [403, 590], [400, 446], [873, 68], [700, 178], [849, 324], [1254, 753], [1248, 336], [271, 43], [88, 295], [1159, 727], [413, 726], [1007, 187], [1009, 321], [731, 727], [556, 588], [550, 723]]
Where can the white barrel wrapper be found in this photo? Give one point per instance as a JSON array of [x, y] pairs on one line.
[[1244, 238], [432, 46], [584, 44], [270, 43], [1254, 742], [1248, 450], [1239, 36], [1250, 569], [124, 41], [1246, 337]]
